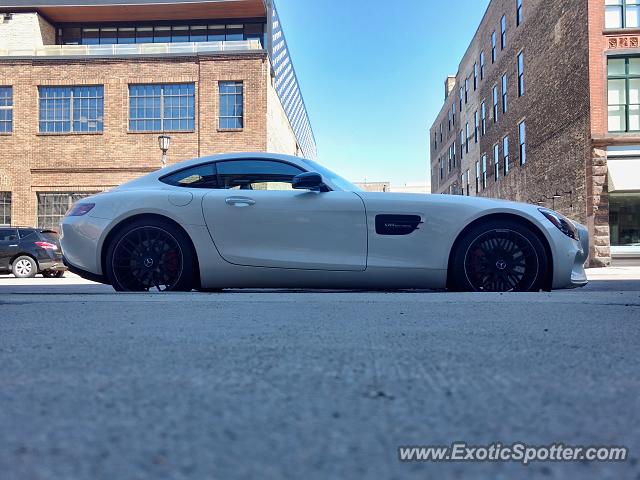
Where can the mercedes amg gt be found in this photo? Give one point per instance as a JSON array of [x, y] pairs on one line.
[[257, 220]]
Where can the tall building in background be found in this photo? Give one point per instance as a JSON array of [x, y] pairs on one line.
[[545, 108], [86, 89]]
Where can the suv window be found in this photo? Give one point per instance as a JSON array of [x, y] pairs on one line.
[[8, 235], [201, 176], [256, 175], [26, 232]]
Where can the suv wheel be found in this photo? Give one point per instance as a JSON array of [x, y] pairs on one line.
[[24, 267]]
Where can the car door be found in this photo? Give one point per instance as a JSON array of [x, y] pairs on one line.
[[8, 246], [255, 218]]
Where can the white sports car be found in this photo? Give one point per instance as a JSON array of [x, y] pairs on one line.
[[258, 220]]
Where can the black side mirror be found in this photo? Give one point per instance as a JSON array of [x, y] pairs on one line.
[[307, 181]]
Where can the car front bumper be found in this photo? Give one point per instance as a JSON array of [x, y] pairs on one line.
[[578, 273]]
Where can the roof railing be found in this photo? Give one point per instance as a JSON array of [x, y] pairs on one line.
[[134, 49]]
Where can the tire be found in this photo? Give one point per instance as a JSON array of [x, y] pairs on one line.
[[53, 274], [150, 254], [24, 267], [499, 256]]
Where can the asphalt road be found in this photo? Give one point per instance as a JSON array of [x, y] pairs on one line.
[[286, 384]]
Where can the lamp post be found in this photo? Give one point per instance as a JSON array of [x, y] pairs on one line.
[[164, 142]]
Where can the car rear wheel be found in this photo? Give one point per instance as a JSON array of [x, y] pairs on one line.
[[499, 256], [150, 254], [24, 267]]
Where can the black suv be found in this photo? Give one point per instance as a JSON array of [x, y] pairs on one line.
[[28, 251]]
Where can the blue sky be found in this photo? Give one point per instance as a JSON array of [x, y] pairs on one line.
[[372, 75]]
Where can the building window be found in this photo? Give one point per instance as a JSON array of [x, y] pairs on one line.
[[477, 177], [6, 110], [466, 91], [461, 98], [624, 94], [449, 119], [453, 146], [177, 33], [467, 181], [481, 65], [450, 157], [162, 107], [475, 126], [505, 155], [453, 112], [495, 104], [5, 209], [461, 144], [484, 171], [72, 109], [441, 135], [441, 168], [622, 13], [483, 119], [231, 105], [522, 141], [504, 94], [53, 206], [435, 141], [503, 33], [493, 46], [518, 12], [466, 134], [520, 74], [475, 77], [624, 219], [496, 162]]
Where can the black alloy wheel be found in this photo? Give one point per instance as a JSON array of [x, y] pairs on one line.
[[150, 255], [500, 256]]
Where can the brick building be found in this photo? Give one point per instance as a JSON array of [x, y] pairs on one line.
[[87, 88], [545, 108]]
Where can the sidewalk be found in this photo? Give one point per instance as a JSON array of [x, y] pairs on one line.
[[614, 273]]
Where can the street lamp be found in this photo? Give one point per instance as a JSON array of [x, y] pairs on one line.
[[164, 141]]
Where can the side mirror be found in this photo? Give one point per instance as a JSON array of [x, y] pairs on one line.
[[307, 181]]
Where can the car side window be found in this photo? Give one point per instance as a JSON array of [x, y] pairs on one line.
[[256, 174], [201, 176], [26, 233], [8, 235]]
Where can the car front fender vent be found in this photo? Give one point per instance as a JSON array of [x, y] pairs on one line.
[[397, 224]]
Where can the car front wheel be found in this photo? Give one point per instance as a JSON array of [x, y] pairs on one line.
[[499, 256], [24, 267], [150, 254]]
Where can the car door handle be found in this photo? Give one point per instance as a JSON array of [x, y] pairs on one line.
[[13, 245], [240, 201]]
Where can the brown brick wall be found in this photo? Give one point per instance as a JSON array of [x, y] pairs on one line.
[[30, 162]]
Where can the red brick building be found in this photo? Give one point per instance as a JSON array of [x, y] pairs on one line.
[[86, 90], [545, 108]]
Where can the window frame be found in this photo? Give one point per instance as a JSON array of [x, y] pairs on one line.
[[623, 6], [494, 95], [519, 16], [484, 171], [505, 155], [482, 59], [520, 64], [503, 32], [241, 117], [483, 118], [522, 142], [475, 76], [475, 126], [8, 121], [493, 47], [504, 86], [626, 77], [496, 161], [162, 117], [59, 104], [6, 205]]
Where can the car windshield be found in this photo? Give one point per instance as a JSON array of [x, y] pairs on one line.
[[332, 177]]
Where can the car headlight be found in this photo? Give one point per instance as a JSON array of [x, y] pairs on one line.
[[565, 225]]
